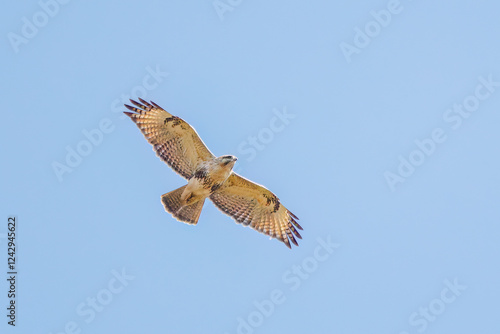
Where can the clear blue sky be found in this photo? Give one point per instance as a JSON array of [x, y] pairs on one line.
[[375, 122]]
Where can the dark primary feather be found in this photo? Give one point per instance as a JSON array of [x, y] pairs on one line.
[[248, 204], [174, 141]]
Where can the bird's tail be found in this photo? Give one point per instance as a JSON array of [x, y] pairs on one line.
[[184, 213]]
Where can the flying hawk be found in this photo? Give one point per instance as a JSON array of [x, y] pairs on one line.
[[177, 143]]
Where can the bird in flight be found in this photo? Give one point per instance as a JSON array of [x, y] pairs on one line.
[[178, 144]]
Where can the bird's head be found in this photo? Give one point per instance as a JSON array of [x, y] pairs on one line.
[[227, 160]]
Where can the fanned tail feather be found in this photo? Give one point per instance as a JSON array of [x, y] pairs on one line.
[[185, 213]]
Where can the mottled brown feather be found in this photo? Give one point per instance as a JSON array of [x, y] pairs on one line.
[[174, 140], [248, 203]]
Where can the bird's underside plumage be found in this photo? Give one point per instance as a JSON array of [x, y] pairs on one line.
[[177, 143]]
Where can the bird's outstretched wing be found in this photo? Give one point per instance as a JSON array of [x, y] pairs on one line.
[[173, 139], [253, 205]]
